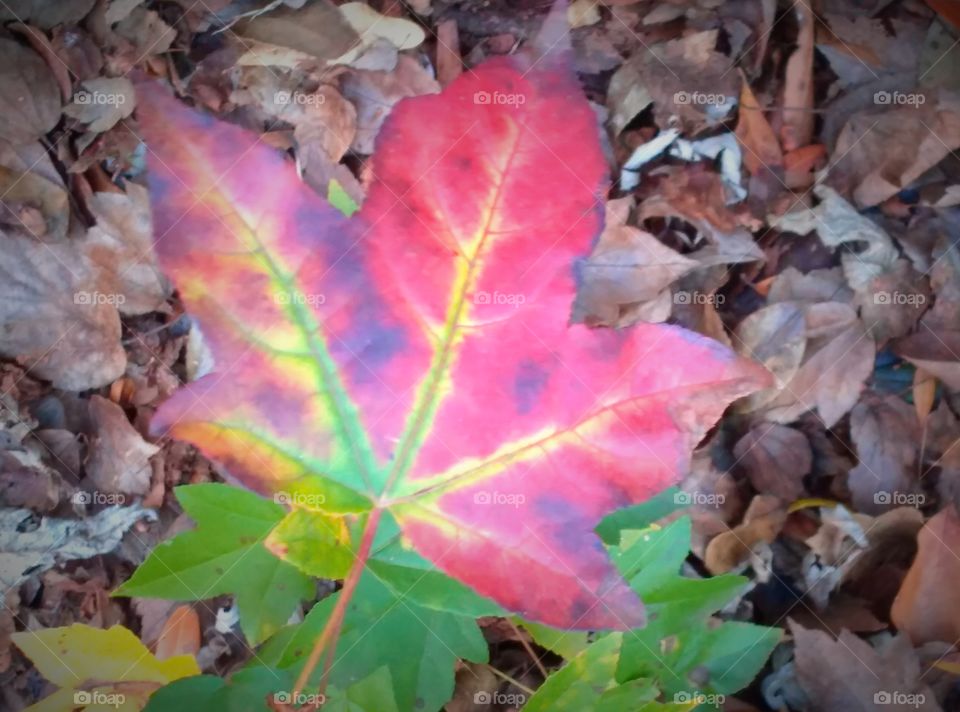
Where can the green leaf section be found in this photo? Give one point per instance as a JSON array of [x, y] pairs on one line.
[[681, 660], [254, 689], [419, 646], [225, 554]]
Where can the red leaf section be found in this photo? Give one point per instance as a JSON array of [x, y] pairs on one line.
[[418, 358]]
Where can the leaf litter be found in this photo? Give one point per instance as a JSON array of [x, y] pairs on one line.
[[796, 199]]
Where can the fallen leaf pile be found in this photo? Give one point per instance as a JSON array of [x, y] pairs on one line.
[[786, 181]]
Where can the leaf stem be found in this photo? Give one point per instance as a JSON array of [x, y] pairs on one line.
[[331, 631]]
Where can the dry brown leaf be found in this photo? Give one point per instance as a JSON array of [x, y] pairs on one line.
[[776, 459], [54, 317], [44, 13], [121, 247], [830, 380], [798, 119], [627, 266], [375, 93], [762, 148], [449, 60], [318, 30], [936, 353], [892, 302], [119, 457], [685, 78], [886, 148], [885, 431], [180, 635], [849, 675], [925, 608], [101, 103], [762, 523], [28, 92], [775, 337]]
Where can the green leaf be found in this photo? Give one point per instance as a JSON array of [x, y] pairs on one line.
[[638, 516], [418, 645], [413, 578], [225, 554], [579, 684], [567, 644], [253, 689], [340, 199], [316, 543]]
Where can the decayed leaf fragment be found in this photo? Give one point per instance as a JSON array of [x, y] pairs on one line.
[[453, 395]]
